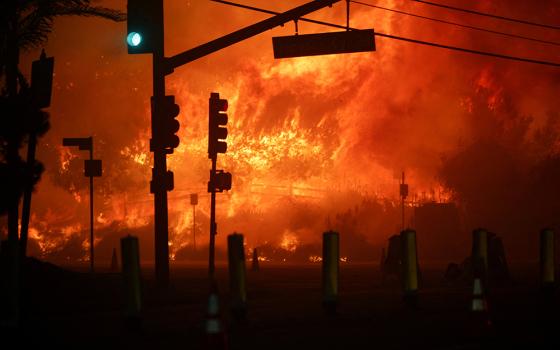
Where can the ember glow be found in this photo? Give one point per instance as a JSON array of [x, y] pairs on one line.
[[314, 143]]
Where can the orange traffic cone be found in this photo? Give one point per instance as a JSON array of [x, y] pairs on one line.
[[214, 329]]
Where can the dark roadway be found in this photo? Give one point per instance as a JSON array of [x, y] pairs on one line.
[[77, 310]]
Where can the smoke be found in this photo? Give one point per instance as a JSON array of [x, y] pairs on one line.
[[315, 143]]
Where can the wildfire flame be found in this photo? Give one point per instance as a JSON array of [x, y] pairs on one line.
[[311, 141]]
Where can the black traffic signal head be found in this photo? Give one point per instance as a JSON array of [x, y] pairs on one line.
[[41, 80], [221, 181], [217, 132], [144, 26], [165, 123]]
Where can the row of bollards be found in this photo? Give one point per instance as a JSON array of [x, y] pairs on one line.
[[480, 256], [409, 268]]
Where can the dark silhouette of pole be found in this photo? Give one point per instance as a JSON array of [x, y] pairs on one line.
[[91, 257], [12, 155], [40, 92], [255, 260], [213, 226], [92, 168], [348, 15], [11, 298], [161, 234], [194, 226], [194, 202], [403, 193], [26, 207], [402, 202]]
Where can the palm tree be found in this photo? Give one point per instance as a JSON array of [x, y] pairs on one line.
[[26, 25]]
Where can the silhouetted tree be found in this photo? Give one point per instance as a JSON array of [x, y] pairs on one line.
[[24, 25]]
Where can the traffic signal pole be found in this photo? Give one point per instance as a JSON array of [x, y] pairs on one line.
[[160, 166], [150, 14], [213, 226], [219, 180]]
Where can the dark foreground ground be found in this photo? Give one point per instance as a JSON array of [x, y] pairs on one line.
[[78, 310]]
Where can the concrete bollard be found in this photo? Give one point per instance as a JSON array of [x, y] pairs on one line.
[[479, 255], [330, 270], [131, 276], [237, 275], [547, 272], [409, 267], [255, 261]]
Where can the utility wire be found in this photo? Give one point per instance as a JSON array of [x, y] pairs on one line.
[[400, 38], [459, 9], [457, 24]]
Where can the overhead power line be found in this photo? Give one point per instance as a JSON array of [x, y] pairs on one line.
[[458, 24], [400, 38], [515, 20]]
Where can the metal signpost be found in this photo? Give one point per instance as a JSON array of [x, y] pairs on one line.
[[92, 168]]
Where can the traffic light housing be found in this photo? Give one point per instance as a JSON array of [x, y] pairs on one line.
[[166, 182], [217, 132], [165, 124], [41, 80], [144, 26], [220, 182]]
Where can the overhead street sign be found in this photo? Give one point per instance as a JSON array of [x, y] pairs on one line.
[[324, 43]]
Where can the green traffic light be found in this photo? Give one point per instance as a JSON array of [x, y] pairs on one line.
[[134, 39]]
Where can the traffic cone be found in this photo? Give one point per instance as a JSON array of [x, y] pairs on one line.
[[214, 329], [114, 261], [481, 325], [479, 301]]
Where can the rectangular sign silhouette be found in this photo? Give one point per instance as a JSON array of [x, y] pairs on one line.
[[324, 43]]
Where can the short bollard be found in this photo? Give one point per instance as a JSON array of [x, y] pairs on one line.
[[237, 276], [255, 261], [409, 267], [131, 276], [547, 272], [330, 271], [479, 255]]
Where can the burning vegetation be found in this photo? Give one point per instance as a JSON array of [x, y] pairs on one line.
[[315, 143]]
